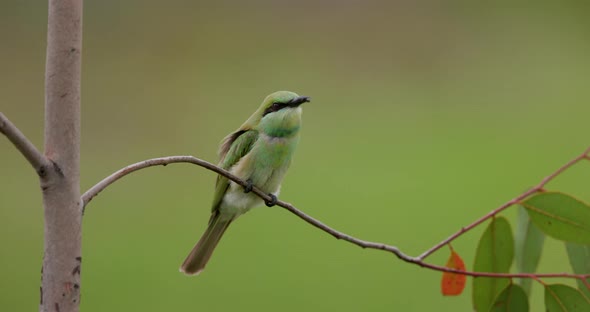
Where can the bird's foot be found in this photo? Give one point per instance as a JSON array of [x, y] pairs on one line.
[[273, 200], [249, 186]]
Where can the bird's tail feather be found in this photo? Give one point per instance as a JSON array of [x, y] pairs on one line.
[[201, 253]]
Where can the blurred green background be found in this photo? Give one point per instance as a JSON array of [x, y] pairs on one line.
[[425, 116]]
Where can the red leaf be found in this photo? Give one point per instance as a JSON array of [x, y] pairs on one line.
[[452, 284]]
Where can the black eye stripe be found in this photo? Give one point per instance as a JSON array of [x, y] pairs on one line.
[[276, 106]]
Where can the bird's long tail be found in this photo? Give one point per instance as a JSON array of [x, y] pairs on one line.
[[201, 253]]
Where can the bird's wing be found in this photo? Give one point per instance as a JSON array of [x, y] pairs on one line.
[[233, 148]]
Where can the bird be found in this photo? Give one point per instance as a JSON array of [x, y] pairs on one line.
[[259, 152]]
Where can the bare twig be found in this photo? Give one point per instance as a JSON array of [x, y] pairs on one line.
[[25, 147], [163, 161], [517, 199]]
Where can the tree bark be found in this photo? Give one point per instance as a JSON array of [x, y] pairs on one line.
[[60, 180]]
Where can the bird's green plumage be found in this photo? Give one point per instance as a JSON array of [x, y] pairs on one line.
[[239, 147], [259, 151]]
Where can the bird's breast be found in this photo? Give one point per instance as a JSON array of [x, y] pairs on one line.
[[265, 165], [275, 152], [271, 158]]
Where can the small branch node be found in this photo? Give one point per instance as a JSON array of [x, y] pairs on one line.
[[42, 171]]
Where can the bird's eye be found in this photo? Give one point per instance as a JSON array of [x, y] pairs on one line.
[[276, 106]]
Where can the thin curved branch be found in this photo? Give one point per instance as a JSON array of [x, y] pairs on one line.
[[24, 146], [163, 161]]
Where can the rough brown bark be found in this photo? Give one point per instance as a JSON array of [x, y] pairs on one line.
[[60, 182]]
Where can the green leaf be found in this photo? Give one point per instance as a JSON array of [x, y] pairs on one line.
[[579, 256], [528, 241], [561, 298], [495, 252], [560, 216], [512, 298]]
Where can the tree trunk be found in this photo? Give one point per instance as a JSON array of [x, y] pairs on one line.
[[60, 180]]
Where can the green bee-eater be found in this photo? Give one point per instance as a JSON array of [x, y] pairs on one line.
[[260, 153]]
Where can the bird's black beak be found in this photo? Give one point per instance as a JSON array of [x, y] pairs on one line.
[[299, 100]]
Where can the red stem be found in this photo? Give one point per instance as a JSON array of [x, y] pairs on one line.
[[513, 201]]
